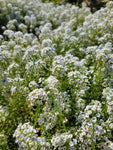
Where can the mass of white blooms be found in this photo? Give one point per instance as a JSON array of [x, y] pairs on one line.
[[56, 76]]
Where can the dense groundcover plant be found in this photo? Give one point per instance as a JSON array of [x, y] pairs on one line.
[[56, 76]]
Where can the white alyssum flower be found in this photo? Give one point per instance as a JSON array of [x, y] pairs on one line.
[[37, 96]]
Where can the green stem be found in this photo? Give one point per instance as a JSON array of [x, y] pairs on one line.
[[36, 116], [61, 118]]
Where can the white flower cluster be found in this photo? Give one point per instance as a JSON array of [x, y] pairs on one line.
[[77, 79], [3, 113], [33, 84], [37, 96], [52, 82], [108, 94], [50, 120], [42, 142], [49, 117], [59, 140], [26, 137], [92, 128]]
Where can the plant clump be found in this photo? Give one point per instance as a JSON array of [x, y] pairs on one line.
[[56, 76]]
